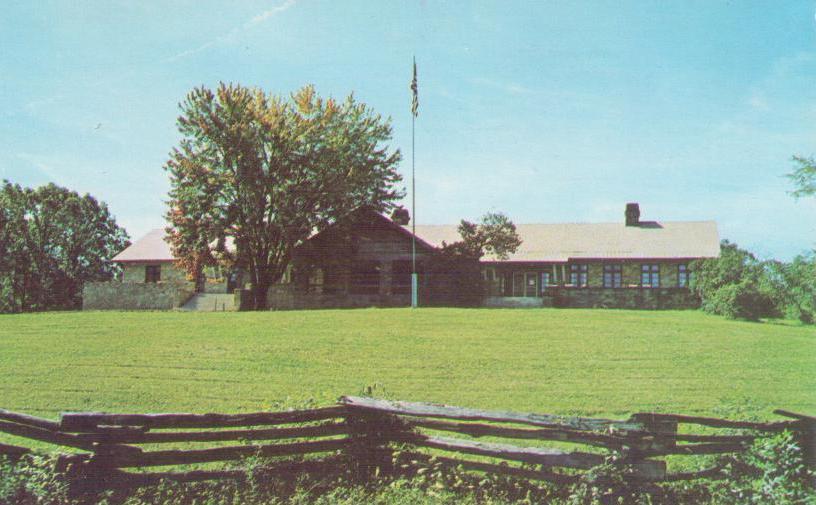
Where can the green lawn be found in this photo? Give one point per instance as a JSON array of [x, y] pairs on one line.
[[589, 362]]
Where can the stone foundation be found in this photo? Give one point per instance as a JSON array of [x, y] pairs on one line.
[[135, 295], [625, 298], [286, 297], [517, 302]]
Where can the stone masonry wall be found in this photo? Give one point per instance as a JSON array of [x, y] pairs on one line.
[[135, 295], [287, 297], [135, 272], [625, 298]]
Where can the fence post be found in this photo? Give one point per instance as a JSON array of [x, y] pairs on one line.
[[371, 434], [808, 438], [81, 475], [662, 429]]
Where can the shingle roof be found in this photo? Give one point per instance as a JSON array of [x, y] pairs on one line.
[[151, 247], [565, 241]]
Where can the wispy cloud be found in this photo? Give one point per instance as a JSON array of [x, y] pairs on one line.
[[508, 87], [235, 32], [260, 18]]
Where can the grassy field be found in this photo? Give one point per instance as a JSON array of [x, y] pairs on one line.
[[588, 362]]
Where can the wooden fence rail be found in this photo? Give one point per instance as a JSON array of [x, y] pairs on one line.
[[364, 433]]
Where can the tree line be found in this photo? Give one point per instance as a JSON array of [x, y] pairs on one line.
[[738, 285]]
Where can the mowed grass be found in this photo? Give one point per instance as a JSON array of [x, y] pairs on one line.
[[586, 362]]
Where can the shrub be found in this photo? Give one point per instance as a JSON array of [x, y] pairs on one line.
[[772, 472], [798, 281], [741, 301], [736, 285], [33, 480]]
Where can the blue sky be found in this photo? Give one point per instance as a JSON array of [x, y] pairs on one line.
[[548, 111]]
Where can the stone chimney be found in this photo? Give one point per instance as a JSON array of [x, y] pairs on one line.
[[632, 214]]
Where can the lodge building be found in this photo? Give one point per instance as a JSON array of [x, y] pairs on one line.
[[366, 260]]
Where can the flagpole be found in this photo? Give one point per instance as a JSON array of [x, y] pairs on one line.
[[414, 277]]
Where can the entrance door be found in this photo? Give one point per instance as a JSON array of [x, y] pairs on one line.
[[530, 284]]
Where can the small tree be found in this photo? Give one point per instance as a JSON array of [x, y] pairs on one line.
[[455, 274], [495, 235]]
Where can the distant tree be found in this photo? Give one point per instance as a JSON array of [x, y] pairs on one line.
[[495, 235], [455, 274], [803, 177], [268, 172], [736, 285], [797, 286], [52, 241]]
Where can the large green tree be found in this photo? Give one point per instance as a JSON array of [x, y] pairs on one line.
[[264, 173], [52, 241]]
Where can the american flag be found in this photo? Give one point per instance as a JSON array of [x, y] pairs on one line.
[[415, 95]]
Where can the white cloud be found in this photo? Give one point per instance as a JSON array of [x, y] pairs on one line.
[[260, 18], [235, 32]]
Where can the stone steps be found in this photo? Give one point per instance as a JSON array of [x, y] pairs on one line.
[[210, 302]]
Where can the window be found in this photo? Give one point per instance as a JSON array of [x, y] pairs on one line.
[[650, 275], [612, 275], [682, 275], [578, 275], [489, 274], [545, 281], [365, 278], [401, 277], [531, 284], [518, 284], [507, 284], [152, 273], [316, 279]]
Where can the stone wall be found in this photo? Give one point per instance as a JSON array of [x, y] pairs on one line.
[[288, 297], [516, 302], [135, 272], [216, 286], [135, 295], [624, 298]]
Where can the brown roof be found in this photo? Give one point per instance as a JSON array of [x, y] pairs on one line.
[[151, 247], [562, 242]]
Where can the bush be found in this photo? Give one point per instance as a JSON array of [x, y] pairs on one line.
[[798, 281], [737, 285], [772, 472], [33, 480], [741, 301]]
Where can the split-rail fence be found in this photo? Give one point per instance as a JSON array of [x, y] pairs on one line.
[[364, 433]]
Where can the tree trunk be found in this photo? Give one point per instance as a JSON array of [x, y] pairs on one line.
[[260, 291]]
